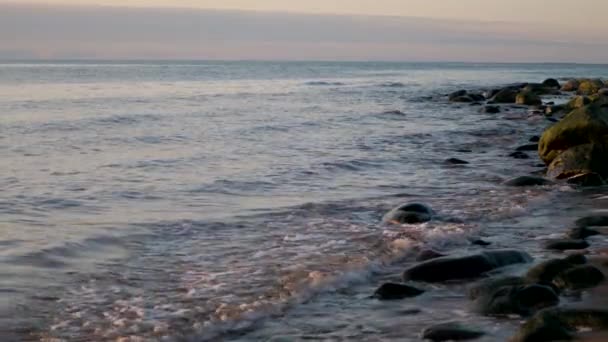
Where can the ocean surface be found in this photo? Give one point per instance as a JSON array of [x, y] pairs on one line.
[[242, 201]]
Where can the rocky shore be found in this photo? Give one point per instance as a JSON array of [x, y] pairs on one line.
[[574, 152]]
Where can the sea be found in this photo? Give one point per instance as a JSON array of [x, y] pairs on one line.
[[243, 200]]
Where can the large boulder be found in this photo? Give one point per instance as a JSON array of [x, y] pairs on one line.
[[410, 213], [547, 271], [464, 267], [580, 160], [585, 125], [506, 95], [528, 98], [571, 85], [540, 89], [590, 87], [551, 83]]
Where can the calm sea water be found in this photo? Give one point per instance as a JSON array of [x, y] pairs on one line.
[[242, 200]]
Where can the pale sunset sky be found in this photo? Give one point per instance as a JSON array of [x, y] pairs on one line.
[[408, 30]]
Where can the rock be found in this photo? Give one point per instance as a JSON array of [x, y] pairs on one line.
[[456, 161], [519, 155], [410, 213], [578, 102], [535, 139], [566, 244], [491, 109], [582, 126], [457, 94], [529, 147], [450, 332], [464, 99], [521, 300], [560, 324], [571, 85], [528, 181], [582, 233], [480, 242], [465, 267], [587, 179], [593, 221], [603, 92], [428, 254], [476, 104], [590, 87], [488, 286], [546, 271], [554, 109], [392, 291], [488, 94], [580, 160], [528, 98], [551, 83], [506, 95], [477, 97], [578, 278]]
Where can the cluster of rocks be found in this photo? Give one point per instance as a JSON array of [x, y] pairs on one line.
[[575, 147], [536, 295]]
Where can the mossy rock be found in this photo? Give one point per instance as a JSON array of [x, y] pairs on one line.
[[581, 159], [590, 87], [578, 102], [528, 98], [585, 125], [571, 85]]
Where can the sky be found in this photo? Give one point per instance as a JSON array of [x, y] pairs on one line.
[[408, 30]]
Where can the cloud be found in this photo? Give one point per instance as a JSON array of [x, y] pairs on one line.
[[116, 33]]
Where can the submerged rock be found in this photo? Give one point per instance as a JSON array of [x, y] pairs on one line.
[[392, 291], [410, 213], [428, 254], [535, 139], [521, 300], [560, 324], [464, 267], [519, 155], [529, 147], [491, 109], [566, 244], [582, 233], [456, 161], [593, 221], [545, 272], [528, 181], [451, 331], [580, 277]]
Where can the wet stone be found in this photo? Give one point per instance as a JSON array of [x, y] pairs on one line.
[[519, 155], [593, 221], [529, 147], [521, 300], [456, 161], [528, 181], [580, 277], [566, 244], [393, 291], [546, 271], [411, 213], [428, 254], [451, 331], [582, 233]]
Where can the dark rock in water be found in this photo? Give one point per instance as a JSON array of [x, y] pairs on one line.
[[580, 277], [560, 324], [528, 181], [464, 150], [519, 155], [428, 254], [476, 104], [391, 291], [546, 271], [457, 94], [582, 233], [535, 139], [551, 83], [450, 332], [394, 112], [477, 97], [539, 89], [587, 179], [480, 242], [465, 267], [491, 109], [488, 286], [552, 119], [506, 95], [529, 147], [410, 213], [593, 221], [586, 125], [465, 99], [566, 244], [456, 161], [528, 98], [520, 300], [490, 93], [581, 159]]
